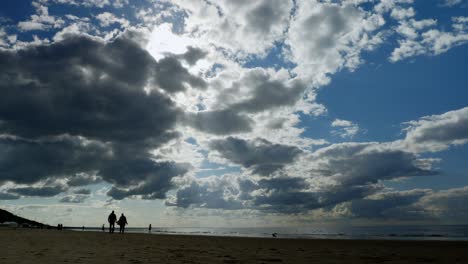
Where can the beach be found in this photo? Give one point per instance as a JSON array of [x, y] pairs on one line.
[[52, 246]]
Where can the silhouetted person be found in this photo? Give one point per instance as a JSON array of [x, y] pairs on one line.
[[122, 222], [149, 228], [103, 228], [82, 229], [111, 219]]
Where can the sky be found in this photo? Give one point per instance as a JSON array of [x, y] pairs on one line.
[[241, 113]]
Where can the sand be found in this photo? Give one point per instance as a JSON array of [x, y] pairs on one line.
[[52, 246]]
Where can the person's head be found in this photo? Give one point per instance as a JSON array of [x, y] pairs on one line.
[[112, 211], [122, 214]]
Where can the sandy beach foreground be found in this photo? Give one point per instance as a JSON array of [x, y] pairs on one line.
[[52, 246]]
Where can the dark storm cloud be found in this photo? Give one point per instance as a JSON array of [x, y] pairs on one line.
[[78, 109], [389, 205], [331, 176], [231, 114], [193, 55], [276, 195], [364, 163], [23, 161], [417, 204], [46, 191], [83, 87], [83, 179], [264, 93], [296, 201], [220, 122], [82, 191], [172, 76], [261, 155], [149, 179], [8, 196]]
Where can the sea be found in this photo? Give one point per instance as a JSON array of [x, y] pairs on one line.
[[414, 232]]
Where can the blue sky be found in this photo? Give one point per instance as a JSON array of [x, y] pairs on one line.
[[220, 113]]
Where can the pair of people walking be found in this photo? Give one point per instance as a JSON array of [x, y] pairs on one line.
[[122, 222]]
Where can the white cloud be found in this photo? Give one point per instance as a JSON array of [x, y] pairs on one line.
[[41, 21], [89, 3], [431, 41], [325, 37], [106, 19], [437, 132], [402, 13], [344, 128], [238, 26], [452, 2]]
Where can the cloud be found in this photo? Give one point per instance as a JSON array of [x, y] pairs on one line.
[[415, 205], [90, 3], [324, 37], [173, 77], [265, 92], [449, 205], [237, 26], [82, 191], [260, 155], [86, 110], [45, 191], [390, 205], [430, 42], [364, 163], [437, 132], [41, 21], [107, 19], [8, 196], [344, 128], [74, 198], [47, 158], [330, 176], [213, 193], [452, 2], [192, 55], [220, 122], [147, 178]]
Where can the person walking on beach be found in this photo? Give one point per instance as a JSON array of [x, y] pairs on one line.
[[149, 228], [122, 222], [111, 219], [103, 228]]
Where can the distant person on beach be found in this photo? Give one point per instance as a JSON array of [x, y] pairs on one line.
[[122, 222], [82, 229], [103, 228], [149, 228], [111, 219]]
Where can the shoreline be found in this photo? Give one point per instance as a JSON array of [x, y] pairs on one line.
[[340, 236], [53, 246]]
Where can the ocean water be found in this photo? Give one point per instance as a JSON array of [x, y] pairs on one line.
[[427, 232]]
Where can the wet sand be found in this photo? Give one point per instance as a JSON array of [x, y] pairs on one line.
[[52, 246]]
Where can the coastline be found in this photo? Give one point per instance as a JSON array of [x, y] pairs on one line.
[[52, 246]]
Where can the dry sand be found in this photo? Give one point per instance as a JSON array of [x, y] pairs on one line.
[[52, 246]]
